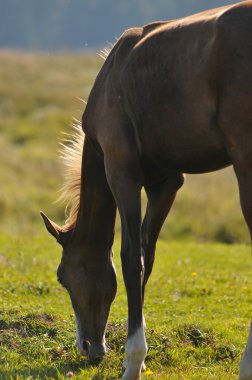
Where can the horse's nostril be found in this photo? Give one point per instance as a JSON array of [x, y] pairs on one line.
[[86, 347]]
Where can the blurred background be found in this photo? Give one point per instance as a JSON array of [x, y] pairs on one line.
[[48, 60], [53, 25]]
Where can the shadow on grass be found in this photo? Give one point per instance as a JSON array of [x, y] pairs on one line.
[[50, 372]]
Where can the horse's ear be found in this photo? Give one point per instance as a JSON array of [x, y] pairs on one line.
[[51, 227]]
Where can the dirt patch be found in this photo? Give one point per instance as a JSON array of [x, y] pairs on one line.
[[29, 325]]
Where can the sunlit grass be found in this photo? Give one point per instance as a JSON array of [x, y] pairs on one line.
[[198, 307]]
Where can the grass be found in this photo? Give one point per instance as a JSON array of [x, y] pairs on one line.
[[197, 312]]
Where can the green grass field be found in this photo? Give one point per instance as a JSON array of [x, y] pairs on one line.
[[198, 305], [198, 300]]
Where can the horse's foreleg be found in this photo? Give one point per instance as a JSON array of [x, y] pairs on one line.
[[160, 200], [125, 180], [246, 362], [245, 185], [133, 268], [235, 122], [243, 172], [242, 159]]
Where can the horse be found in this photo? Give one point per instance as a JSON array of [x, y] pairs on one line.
[[172, 97]]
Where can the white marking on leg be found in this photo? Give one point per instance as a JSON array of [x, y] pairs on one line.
[[246, 362], [125, 362], [136, 349]]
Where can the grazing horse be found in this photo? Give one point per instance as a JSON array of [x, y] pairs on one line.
[[171, 98]]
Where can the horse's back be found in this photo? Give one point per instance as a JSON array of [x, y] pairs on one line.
[[167, 80]]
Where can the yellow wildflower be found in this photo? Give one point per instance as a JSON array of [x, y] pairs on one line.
[[148, 372]]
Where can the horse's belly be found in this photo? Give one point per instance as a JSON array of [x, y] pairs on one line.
[[187, 148], [198, 160]]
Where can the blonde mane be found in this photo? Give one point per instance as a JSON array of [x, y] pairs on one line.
[[71, 154]]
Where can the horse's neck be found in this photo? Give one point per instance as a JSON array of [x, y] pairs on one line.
[[97, 211]]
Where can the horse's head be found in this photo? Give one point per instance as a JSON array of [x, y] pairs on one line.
[[91, 284]]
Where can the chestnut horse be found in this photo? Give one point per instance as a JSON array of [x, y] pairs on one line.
[[171, 98]]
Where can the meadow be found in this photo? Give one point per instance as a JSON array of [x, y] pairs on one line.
[[199, 295], [197, 312]]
